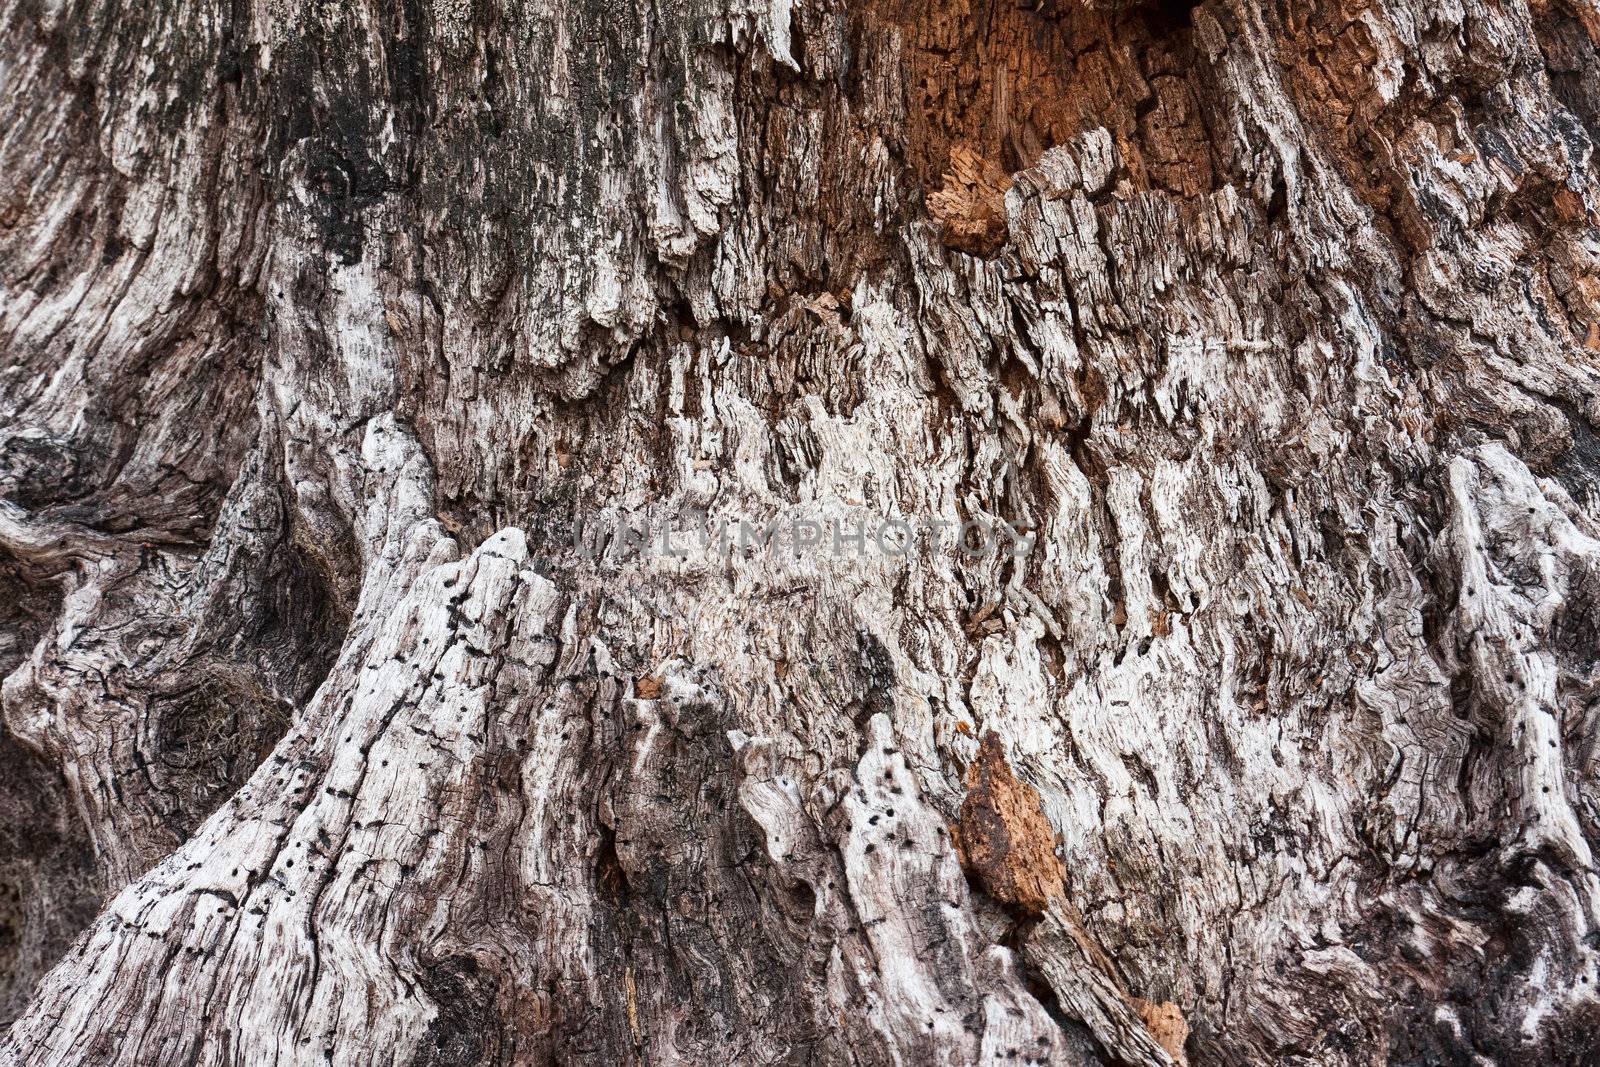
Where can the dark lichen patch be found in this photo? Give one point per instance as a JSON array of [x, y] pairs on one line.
[[1578, 469], [465, 1022], [49, 890]]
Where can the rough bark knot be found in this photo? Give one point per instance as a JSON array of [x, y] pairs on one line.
[[1005, 841], [970, 206]]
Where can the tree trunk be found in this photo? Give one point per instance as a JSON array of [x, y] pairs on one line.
[[1040, 531]]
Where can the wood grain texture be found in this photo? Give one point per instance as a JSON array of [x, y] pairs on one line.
[[326, 326]]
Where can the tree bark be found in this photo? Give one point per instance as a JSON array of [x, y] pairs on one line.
[[346, 721]]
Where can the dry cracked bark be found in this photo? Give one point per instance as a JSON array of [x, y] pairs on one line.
[[327, 740]]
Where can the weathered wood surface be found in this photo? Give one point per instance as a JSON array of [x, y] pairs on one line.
[[323, 324]]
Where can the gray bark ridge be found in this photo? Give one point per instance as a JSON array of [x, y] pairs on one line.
[[326, 327]]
